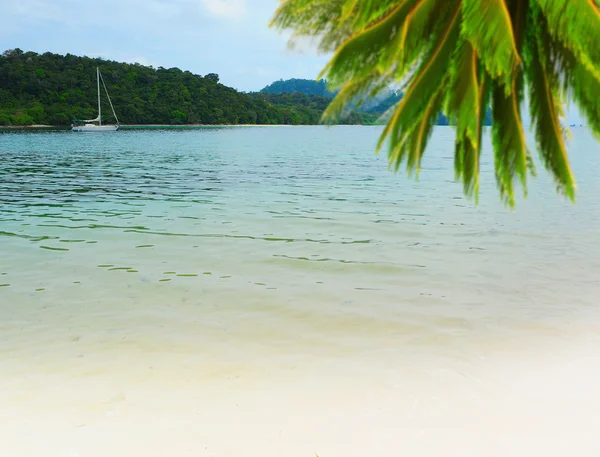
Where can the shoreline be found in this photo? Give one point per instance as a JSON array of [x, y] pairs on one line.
[[126, 126]]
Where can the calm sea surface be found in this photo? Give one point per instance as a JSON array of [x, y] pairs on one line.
[[279, 292]]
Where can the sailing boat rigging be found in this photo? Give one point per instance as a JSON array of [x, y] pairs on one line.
[[89, 125]]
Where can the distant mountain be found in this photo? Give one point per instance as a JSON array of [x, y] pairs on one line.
[[375, 108], [314, 87], [303, 86]]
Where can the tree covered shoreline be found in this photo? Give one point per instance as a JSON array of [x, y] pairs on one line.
[[52, 89]]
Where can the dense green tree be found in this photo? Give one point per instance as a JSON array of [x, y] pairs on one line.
[[460, 57], [212, 77], [53, 89]]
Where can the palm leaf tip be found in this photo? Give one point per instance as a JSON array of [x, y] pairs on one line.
[[510, 148], [464, 106], [546, 105]]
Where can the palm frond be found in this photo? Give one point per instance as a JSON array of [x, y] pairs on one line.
[[363, 13], [415, 145], [510, 149], [349, 9], [546, 106], [367, 49], [422, 27], [313, 18], [577, 82], [456, 56], [577, 24], [585, 90], [417, 98], [464, 108], [352, 92], [463, 98], [484, 100], [488, 26]]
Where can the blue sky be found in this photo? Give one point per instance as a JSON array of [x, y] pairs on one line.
[[228, 37]]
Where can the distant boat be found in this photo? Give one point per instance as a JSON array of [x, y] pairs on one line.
[[89, 125]]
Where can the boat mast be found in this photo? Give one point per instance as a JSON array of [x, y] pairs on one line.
[[99, 107], [109, 100]]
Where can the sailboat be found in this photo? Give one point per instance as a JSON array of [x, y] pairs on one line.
[[89, 124]]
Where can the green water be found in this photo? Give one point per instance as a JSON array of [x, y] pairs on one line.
[[218, 263], [262, 204]]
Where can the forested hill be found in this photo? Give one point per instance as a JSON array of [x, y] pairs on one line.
[[372, 109], [54, 89], [386, 97], [302, 86]]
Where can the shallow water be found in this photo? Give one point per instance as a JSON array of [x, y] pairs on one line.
[[277, 291]]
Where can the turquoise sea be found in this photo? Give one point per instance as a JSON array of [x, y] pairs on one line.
[[278, 291]]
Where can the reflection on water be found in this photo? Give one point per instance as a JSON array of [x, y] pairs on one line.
[[251, 282]]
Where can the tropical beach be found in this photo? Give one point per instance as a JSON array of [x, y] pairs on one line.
[[406, 266], [187, 292]]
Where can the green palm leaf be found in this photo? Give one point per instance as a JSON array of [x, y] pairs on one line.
[[363, 13], [368, 45], [417, 98], [577, 24], [417, 141], [463, 100], [421, 29], [457, 56], [546, 105], [464, 106], [510, 149], [352, 92], [586, 92], [488, 26]]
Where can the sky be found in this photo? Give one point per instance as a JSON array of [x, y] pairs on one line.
[[227, 37]]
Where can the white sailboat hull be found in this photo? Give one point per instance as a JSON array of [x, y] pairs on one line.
[[96, 128]]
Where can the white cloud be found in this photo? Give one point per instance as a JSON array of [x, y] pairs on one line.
[[226, 9]]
